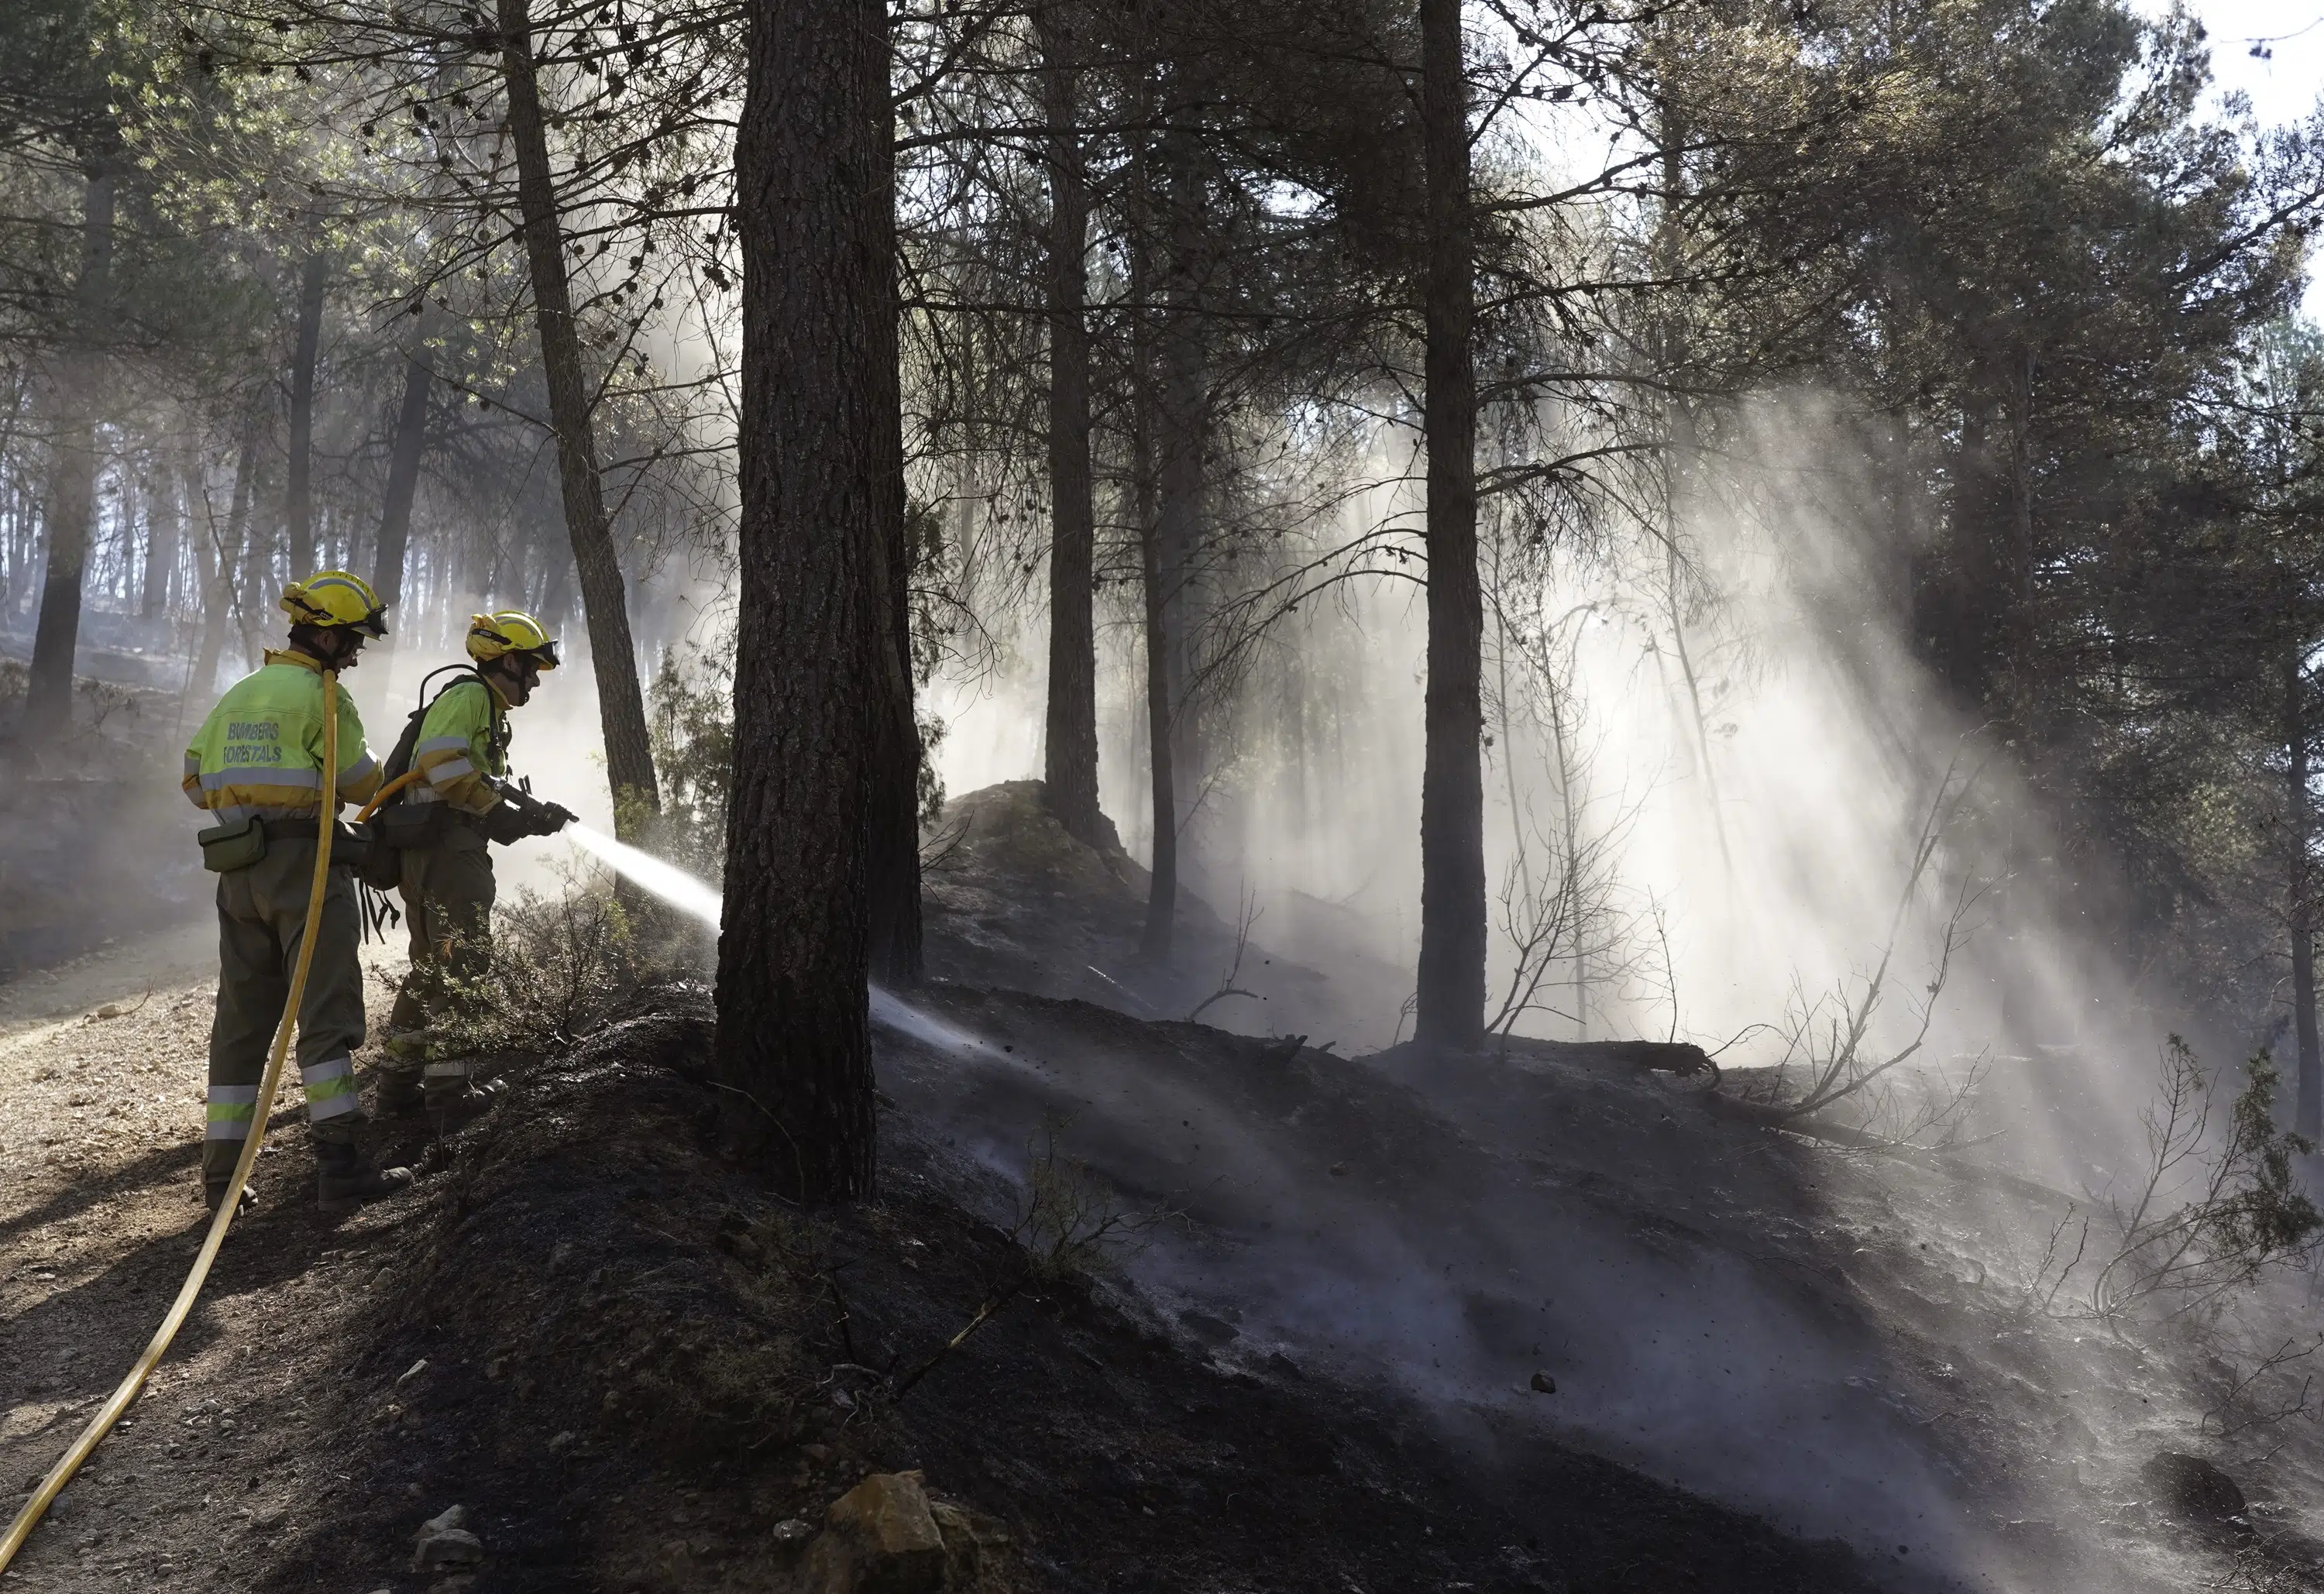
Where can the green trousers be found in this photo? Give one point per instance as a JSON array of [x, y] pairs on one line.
[[261, 924], [447, 906]]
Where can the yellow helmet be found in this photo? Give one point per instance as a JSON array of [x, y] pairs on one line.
[[511, 631], [336, 598]]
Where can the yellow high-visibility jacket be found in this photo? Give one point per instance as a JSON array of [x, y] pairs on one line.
[[464, 738], [261, 751]]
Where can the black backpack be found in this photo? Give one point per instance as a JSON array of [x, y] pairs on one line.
[[394, 826]]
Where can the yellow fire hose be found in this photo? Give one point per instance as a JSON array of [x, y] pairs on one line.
[[387, 792], [102, 1423]]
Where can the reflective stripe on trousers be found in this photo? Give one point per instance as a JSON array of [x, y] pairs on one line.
[[231, 1109], [455, 1069], [330, 1087]]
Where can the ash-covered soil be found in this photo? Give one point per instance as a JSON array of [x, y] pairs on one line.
[[634, 1367], [1311, 1366]]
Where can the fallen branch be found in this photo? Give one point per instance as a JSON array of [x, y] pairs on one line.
[[984, 1315], [1219, 996]]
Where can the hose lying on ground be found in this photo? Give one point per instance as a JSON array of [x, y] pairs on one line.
[[102, 1423]]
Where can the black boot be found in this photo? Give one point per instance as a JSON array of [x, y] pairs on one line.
[[345, 1178], [399, 1094], [214, 1195], [455, 1107]]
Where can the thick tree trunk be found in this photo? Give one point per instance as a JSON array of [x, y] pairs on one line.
[[820, 485], [404, 454], [1451, 1002], [1182, 429], [2308, 1117], [621, 699], [1069, 771], [298, 493], [1162, 883], [72, 480]]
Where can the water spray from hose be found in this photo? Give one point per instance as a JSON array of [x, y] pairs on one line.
[[699, 899], [672, 884]]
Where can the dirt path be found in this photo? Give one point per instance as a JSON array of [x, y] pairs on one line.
[[102, 1066]]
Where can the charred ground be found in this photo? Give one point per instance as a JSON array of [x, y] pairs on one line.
[[633, 1366], [638, 1370]]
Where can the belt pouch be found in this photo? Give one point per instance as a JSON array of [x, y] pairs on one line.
[[235, 845]]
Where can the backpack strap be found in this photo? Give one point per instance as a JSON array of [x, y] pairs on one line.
[[399, 761]]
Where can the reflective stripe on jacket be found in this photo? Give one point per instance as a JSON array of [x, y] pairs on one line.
[[261, 751], [463, 740]]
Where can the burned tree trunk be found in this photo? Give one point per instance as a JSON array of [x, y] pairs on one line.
[[72, 480], [1451, 1002], [620, 700], [1069, 771], [1182, 426], [1154, 563], [404, 454], [298, 493], [820, 485]]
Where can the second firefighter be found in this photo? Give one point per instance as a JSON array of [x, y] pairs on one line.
[[441, 827]]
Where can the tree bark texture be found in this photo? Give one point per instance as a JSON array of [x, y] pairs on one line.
[[1069, 769], [1181, 435], [621, 699], [1451, 998], [1162, 883], [821, 480], [2308, 1113], [404, 454], [298, 493], [72, 478]]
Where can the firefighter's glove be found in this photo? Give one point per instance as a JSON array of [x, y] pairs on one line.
[[548, 818], [505, 821]]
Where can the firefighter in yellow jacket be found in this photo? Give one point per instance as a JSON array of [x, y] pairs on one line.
[[443, 824], [256, 765]]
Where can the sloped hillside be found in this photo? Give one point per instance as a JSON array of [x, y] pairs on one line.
[[1144, 1305]]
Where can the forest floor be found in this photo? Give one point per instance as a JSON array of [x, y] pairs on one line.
[[1310, 1367]]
